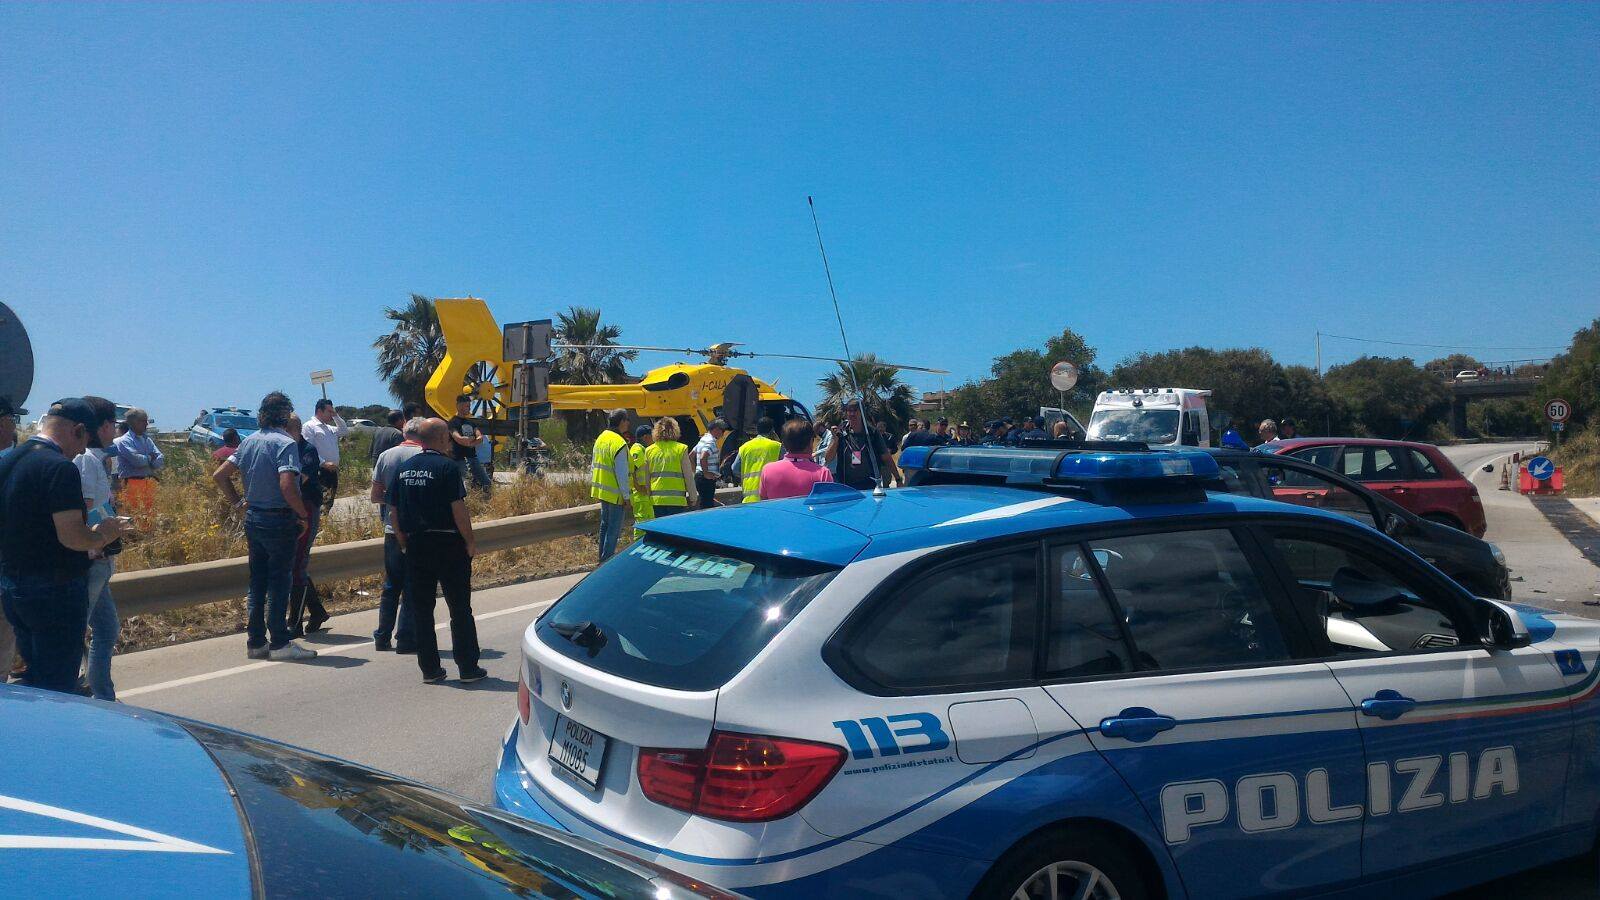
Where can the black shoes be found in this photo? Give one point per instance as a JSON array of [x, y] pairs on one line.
[[474, 674], [381, 644], [435, 677]]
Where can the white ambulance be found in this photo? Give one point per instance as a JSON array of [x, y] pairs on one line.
[[1159, 417]]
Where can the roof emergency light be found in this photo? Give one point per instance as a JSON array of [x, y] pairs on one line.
[[1127, 466]]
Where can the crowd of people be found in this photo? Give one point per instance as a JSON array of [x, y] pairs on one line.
[[60, 532]]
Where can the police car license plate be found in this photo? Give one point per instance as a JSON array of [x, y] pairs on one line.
[[579, 749]]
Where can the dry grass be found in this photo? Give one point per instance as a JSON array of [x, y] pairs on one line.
[[1579, 459], [189, 524]]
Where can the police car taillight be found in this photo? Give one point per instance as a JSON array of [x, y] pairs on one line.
[[739, 777]]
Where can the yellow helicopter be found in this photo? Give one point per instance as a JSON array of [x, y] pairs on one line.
[[693, 393]]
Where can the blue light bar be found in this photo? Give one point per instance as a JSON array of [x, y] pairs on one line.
[[1002, 461], [1125, 466]]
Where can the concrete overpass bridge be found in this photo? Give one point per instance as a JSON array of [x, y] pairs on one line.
[[1492, 381]]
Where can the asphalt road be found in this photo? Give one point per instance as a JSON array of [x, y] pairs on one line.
[[372, 707]]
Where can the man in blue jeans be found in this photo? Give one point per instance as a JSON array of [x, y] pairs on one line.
[[46, 541], [394, 617], [268, 462]]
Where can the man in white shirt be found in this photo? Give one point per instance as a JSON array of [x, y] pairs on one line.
[[707, 465], [324, 433]]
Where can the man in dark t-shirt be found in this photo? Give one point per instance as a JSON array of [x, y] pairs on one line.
[[464, 440], [848, 452], [45, 541], [386, 436], [427, 503]]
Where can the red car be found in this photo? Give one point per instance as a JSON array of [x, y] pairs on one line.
[[1415, 476]]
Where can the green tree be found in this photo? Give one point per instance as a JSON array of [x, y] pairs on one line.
[[888, 399], [1390, 398], [595, 363], [1448, 366], [1247, 385], [412, 349], [1574, 376], [1019, 383]]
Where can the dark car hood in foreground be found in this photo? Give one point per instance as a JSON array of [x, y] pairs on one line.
[[114, 800], [109, 800]]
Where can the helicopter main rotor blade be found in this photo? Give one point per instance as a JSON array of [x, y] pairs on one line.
[[628, 347], [836, 359]]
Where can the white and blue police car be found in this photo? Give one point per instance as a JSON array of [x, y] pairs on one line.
[[1047, 672]]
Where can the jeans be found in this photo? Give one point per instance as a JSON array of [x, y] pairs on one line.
[[8, 637], [302, 547], [707, 487], [394, 614], [473, 474], [611, 516], [49, 615], [434, 561], [272, 535], [104, 627]]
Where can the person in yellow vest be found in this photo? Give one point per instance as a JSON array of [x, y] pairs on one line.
[[671, 476], [609, 480], [639, 475], [754, 455]]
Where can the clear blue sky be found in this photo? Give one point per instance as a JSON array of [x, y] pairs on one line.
[[199, 203]]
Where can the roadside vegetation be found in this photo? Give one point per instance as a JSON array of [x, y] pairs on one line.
[[190, 524]]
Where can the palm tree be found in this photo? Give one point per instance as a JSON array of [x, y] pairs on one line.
[[410, 352], [888, 399], [591, 365]]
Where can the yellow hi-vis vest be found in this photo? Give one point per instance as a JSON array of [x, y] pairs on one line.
[[756, 453], [665, 460], [603, 483], [639, 483]]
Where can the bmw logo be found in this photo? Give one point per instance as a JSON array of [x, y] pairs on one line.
[[566, 695]]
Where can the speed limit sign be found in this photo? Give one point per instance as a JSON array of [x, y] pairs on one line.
[[1558, 411]]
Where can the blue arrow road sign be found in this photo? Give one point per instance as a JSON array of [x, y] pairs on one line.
[[1541, 467]]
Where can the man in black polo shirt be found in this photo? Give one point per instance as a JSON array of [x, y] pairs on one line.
[[45, 541], [428, 508]]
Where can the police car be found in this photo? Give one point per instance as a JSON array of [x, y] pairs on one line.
[[98, 799], [1053, 673]]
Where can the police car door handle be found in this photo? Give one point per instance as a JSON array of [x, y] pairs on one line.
[[1387, 705], [1136, 724]]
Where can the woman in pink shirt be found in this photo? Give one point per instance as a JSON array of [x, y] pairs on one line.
[[795, 473]]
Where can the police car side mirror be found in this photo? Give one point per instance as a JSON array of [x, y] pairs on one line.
[[1506, 629]]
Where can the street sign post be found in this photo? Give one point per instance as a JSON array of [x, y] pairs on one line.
[[322, 377], [1558, 412]]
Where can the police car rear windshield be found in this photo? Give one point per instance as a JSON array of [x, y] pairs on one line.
[[678, 616], [1152, 426]]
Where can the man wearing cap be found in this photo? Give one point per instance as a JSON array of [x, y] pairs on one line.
[[964, 435], [8, 439], [45, 539]]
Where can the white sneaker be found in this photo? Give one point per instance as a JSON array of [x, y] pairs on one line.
[[292, 651], [257, 652]]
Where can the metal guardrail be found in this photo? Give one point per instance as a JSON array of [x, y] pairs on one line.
[[175, 587]]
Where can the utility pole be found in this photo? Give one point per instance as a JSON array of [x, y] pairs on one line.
[[1319, 354]]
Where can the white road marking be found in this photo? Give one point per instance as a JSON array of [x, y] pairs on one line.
[[149, 841], [321, 651]]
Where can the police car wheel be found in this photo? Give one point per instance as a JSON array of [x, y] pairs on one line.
[[1076, 863]]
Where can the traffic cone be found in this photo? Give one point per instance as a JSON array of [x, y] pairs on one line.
[[1505, 478]]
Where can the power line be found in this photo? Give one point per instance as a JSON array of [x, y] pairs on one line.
[[1344, 337]]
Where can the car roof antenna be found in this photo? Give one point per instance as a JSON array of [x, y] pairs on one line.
[[849, 367]]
